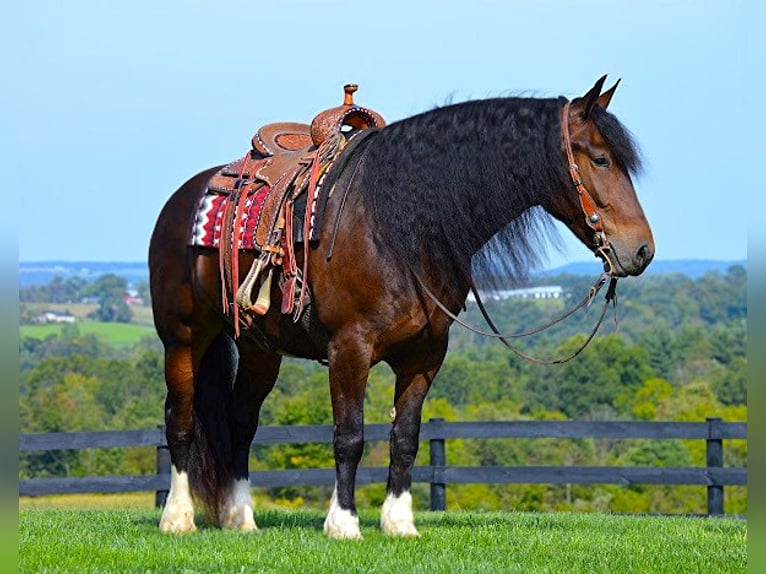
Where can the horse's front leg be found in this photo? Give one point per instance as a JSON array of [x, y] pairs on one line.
[[412, 384], [349, 361]]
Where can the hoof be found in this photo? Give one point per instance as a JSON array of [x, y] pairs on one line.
[[239, 519], [342, 531], [403, 529], [177, 522]]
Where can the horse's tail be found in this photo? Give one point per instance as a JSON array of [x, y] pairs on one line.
[[211, 450]]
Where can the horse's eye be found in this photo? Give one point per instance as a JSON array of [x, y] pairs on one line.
[[601, 161]]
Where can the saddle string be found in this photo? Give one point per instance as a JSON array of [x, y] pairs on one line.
[[235, 240], [326, 151], [611, 297]]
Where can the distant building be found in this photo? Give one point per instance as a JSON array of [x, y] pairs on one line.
[[132, 297], [56, 317], [542, 292]]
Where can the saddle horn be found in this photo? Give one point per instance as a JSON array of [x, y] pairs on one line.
[[330, 122]]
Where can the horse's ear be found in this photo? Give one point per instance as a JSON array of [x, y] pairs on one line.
[[606, 97], [585, 104]]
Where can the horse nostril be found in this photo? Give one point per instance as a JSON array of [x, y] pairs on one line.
[[644, 255]]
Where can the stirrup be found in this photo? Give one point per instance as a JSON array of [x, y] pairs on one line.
[[263, 301]]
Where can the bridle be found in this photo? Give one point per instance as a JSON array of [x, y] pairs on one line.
[[594, 220]]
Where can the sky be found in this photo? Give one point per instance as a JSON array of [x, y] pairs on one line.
[[108, 107]]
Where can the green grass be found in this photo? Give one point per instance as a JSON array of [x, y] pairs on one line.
[[118, 334], [128, 540]]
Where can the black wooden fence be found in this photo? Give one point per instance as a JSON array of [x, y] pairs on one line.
[[714, 476]]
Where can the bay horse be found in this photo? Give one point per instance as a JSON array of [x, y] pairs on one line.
[[431, 202]]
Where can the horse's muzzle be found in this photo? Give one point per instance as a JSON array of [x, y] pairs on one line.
[[622, 263]]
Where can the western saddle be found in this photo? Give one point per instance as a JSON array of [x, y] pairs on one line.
[[287, 160]]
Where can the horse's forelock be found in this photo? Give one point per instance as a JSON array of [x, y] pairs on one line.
[[619, 139]]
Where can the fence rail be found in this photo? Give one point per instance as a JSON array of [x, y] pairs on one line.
[[714, 476]]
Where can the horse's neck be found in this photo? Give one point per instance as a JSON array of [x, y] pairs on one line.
[[496, 155], [442, 184]]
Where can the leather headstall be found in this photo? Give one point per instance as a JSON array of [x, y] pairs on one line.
[[590, 210]]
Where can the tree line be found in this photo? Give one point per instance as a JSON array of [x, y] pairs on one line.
[[677, 351], [108, 291]]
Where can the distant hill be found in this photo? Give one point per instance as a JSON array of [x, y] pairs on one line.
[[693, 268], [42, 272]]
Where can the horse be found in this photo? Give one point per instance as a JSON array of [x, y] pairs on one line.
[[431, 201]]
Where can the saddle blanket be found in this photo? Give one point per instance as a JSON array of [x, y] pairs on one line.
[[207, 226]]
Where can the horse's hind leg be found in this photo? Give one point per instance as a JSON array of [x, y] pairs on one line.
[[178, 513], [182, 361], [255, 379], [412, 384]]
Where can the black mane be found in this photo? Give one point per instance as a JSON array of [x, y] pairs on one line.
[[461, 186]]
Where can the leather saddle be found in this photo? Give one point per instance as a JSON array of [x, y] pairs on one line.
[[282, 154], [286, 160]]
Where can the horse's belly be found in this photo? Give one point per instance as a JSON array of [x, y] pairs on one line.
[[306, 339]]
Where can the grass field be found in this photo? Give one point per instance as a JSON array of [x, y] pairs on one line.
[[128, 540], [118, 334], [142, 314]]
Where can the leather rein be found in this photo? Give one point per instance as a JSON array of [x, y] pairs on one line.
[[594, 220]]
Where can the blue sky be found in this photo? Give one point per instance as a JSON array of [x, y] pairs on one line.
[[109, 106]]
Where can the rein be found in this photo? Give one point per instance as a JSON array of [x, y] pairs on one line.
[[594, 220], [610, 297]]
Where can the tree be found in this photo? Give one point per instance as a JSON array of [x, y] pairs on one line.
[[659, 346], [142, 287], [597, 377], [731, 386], [643, 404], [110, 290]]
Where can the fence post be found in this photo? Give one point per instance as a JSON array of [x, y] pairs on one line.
[[438, 459], [714, 452], [163, 467]]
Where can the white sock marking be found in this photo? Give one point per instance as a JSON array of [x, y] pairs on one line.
[[237, 512], [178, 514], [340, 523], [396, 517]]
